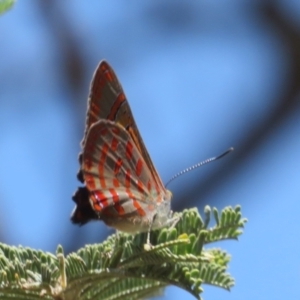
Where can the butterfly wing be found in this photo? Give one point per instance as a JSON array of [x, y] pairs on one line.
[[119, 182], [108, 101]]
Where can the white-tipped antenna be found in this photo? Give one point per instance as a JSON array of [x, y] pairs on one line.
[[204, 162]]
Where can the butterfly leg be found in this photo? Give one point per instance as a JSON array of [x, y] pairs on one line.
[[173, 221], [148, 245]]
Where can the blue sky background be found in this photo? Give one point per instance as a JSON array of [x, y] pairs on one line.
[[200, 76]]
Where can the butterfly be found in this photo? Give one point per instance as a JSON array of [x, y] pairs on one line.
[[121, 185]]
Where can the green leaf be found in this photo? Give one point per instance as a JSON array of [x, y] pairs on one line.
[[122, 267], [6, 5]]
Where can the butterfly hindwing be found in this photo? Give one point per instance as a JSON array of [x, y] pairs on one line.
[[120, 184]]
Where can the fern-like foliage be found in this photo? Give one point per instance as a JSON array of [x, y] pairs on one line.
[[123, 266]]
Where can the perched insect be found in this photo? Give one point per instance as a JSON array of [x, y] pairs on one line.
[[122, 187]]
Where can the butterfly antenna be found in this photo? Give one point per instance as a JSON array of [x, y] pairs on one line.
[[204, 162]]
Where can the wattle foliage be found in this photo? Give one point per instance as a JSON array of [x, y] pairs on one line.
[[123, 266]]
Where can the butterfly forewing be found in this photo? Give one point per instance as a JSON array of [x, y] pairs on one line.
[[108, 101], [104, 94]]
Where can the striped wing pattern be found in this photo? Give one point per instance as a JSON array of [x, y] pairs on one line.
[[122, 186]]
